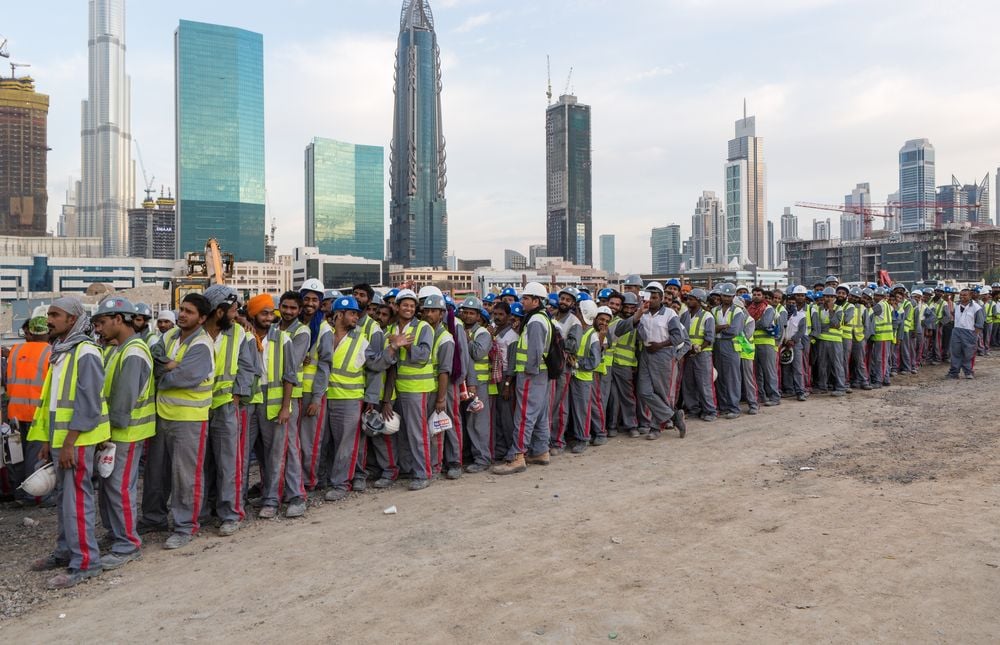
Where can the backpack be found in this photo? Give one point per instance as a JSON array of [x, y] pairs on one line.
[[555, 360]]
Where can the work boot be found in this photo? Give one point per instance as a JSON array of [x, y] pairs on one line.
[[335, 495], [653, 435], [359, 485], [600, 440], [555, 451], [111, 561], [838, 393], [612, 432], [680, 423], [268, 512], [536, 460], [419, 484], [709, 418], [296, 509], [228, 528], [515, 465], [454, 472], [733, 415], [177, 540], [633, 433], [752, 411], [72, 578], [476, 468], [49, 562], [801, 397], [866, 387], [383, 482], [579, 447]]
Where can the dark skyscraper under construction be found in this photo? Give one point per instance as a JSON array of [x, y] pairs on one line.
[[568, 229], [418, 228]]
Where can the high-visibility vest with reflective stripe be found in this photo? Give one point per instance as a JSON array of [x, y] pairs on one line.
[[142, 418], [858, 322], [65, 404], [227, 357], [938, 311], [696, 330], [581, 351], [623, 350], [186, 404], [832, 335], [441, 334], [908, 322], [413, 377], [763, 336], [883, 323], [347, 372], [482, 366], [606, 360], [728, 317], [294, 330], [27, 365], [275, 372], [308, 377], [521, 350], [368, 327]]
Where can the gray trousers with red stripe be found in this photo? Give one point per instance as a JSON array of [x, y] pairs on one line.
[[531, 415], [503, 424], [582, 407], [479, 427], [76, 541], [416, 456], [343, 430], [156, 478], [118, 501], [280, 461], [766, 367], [656, 386], [559, 409], [185, 443], [225, 463], [312, 439], [699, 387], [448, 445], [600, 396], [623, 380]]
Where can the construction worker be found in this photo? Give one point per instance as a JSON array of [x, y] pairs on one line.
[[345, 396], [505, 337], [570, 329], [968, 326], [447, 399], [478, 424], [765, 346], [697, 383], [165, 321], [531, 386], [131, 400], [601, 395], [26, 369], [409, 348], [141, 323], [847, 313], [371, 326], [315, 382], [661, 337], [225, 458], [986, 302], [71, 419], [508, 295], [882, 338], [289, 310], [729, 323], [624, 347], [184, 362], [796, 339], [270, 413], [857, 370], [746, 350], [827, 322], [995, 337], [587, 359]]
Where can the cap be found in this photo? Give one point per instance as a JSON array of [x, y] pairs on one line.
[[604, 294], [314, 285], [38, 325], [219, 294], [583, 295], [471, 302], [346, 303], [674, 282], [330, 294], [727, 289], [535, 290], [654, 286], [167, 315], [142, 309], [880, 291], [928, 291], [867, 293], [486, 315], [831, 278], [843, 287], [449, 302], [570, 291], [377, 300], [829, 291], [434, 301], [855, 292], [588, 311], [632, 280]]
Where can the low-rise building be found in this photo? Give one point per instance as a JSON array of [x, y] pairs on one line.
[[24, 276], [335, 271]]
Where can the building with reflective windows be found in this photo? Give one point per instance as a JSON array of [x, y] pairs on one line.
[[746, 228], [917, 195], [568, 229], [219, 95], [107, 179], [666, 244], [345, 198], [607, 253], [418, 224]]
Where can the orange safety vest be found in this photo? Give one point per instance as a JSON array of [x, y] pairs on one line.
[[27, 365]]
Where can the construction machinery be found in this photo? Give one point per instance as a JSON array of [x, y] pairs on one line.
[[889, 210], [213, 266]]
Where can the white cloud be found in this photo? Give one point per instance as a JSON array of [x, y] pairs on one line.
[[475, 22]]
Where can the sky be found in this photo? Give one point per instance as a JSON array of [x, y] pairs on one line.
[[837, 87]]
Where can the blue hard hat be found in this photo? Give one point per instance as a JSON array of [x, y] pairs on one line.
[[490, 297], [674, 282], [583, 295], [346, 303], [486, 315], [517, 309], [746, 297], [604, 294], [553, 300], [391, 293], [449, 301], [508, 291]]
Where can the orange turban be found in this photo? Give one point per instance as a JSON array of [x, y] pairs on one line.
[[259, 303]]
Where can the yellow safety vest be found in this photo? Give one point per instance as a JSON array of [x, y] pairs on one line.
[[521, 351], [763, 336], [482, 366], [883, 323], [623, 350], [413, 377], [696, 330], [65, 403], [275, 372], [581, 351], [297, 329], [606, 360], [857, 323], [227, 357], [347, 371], [832, 335], [308, 377], [142, 419], [186, 404]]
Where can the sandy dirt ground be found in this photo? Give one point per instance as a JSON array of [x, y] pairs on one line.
[[869, 518]]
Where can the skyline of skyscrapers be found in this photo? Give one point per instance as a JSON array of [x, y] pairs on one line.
[[107, 180], [24, 149], [219, 112], [917, 193], [607, 243], [418, 212], [568, 221], [746, 213], [345, 198]]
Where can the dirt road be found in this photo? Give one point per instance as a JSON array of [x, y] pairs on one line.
[[892, 534]]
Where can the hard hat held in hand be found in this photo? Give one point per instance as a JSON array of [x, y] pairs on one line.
[[41, 482]]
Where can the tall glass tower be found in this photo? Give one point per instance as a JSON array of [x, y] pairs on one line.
[[916, 186], [746, 219], [418, 225], [219, 95], [107, 181], [345, 198], [568, 227]]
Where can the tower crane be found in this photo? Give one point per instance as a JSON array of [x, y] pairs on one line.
[[14, 66], [568, 79], [149, 180], [3, 48], [871, 211], [548, 67]]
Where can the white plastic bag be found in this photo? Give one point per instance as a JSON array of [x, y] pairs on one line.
[[439, 422], [104, 459]]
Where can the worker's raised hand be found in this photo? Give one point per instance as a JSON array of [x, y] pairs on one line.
[[400, 340]]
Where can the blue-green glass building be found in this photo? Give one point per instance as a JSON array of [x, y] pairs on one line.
[[345, 198], [418, 216], [219, 96]]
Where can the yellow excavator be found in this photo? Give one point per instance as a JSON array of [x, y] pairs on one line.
[[213, 266]]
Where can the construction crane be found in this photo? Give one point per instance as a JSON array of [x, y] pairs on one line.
[[14, 66], [148, 202], [548, 67], [3, 48], [871, 211], [568, 79]]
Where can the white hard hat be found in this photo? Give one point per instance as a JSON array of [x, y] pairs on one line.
[[654, 286], [166, 314], [605, 310], [392, 425], [104, 459], [429, 290], [41, 482], [41, 311], [536, 290], [588, 310], [799, 290], [405, 293], [312, 284]]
